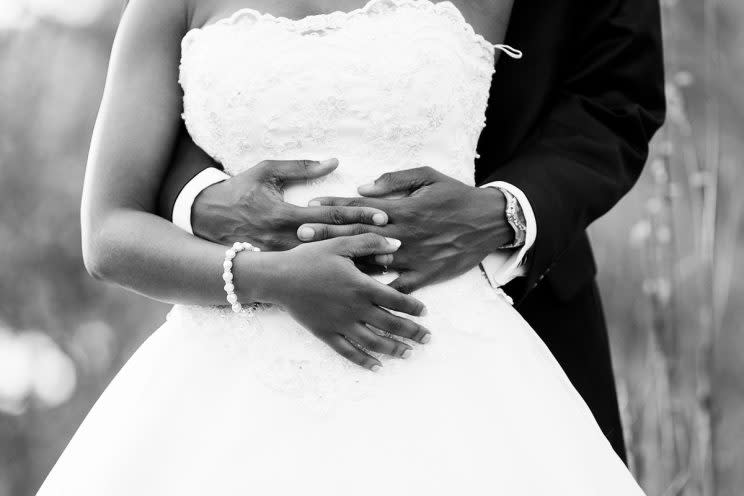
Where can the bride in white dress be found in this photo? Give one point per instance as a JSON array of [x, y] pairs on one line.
[[218, 402]]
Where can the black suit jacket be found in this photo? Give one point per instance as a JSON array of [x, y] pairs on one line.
[[569, 124]]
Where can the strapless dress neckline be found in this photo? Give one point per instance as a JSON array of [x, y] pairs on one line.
[[319, 23]]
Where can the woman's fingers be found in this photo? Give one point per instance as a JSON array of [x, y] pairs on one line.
[[343, 215], [399, 326], [365, 244], [384, 260], [409, 281], [387, 297], [366, 337], [318, 232], [343, 347]]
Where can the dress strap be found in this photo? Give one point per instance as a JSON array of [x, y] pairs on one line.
[[511, 52]]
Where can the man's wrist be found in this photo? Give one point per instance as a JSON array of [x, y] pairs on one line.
[[182, 209], [499, 231], [500, 265], [528, 215], [212, 215]]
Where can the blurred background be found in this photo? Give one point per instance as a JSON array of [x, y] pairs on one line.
[[670, 254]]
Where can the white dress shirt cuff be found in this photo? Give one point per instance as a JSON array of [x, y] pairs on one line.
[[502, 266], [185, 199]]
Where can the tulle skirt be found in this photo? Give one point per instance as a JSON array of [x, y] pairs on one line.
[[221, 404]]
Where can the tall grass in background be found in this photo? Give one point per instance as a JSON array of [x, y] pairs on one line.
[[686, 251], [672, 433]]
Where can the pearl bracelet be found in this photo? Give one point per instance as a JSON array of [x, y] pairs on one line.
[[230, 254]]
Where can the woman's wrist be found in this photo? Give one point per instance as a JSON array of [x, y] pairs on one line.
[[258, 277]]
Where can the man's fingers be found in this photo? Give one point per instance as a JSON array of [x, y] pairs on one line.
[[387, 297], [405, 181], [283, 171], [366, 244], [410, 281], [344, 215], [399, 326], [367, 338], [352, 353], [337, 201]]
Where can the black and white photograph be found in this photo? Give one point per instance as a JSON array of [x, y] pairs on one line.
[[371, 247]]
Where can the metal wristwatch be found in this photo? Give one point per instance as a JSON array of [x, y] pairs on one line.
[[515, 218]]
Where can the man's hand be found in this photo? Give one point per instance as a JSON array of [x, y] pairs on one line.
[[446, 226], [251, 206]]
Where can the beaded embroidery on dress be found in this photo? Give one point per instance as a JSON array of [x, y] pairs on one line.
[[378, 89], [220, 403]]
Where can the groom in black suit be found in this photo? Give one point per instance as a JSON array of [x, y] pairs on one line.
[[568, 125]]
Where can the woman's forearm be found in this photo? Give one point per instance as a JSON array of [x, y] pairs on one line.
[[146, 254]]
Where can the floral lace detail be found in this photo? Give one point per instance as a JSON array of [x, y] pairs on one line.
[[392, 85]]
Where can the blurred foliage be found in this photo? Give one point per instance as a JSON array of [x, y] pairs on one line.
[[668, 253]]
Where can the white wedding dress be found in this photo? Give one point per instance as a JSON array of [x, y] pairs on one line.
[[216, 403]]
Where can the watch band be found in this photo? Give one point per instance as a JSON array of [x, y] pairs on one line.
[[515, 221]]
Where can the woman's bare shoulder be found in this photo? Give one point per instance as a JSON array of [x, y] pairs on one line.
[[174, 13]]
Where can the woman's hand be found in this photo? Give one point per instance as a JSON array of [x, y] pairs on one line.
[[324, 291]]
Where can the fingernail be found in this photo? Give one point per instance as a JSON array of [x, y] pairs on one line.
[[329, 162], [395, 243], [423, 312], [366, 189], [306, 233], [426, 338], [375, 368], [406, 354], [384, 259], [379, 219], [314, 203]]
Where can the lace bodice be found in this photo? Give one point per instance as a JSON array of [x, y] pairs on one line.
[[393, 85]]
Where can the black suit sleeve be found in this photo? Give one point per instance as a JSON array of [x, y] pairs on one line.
[[589, 146], [187, 161]]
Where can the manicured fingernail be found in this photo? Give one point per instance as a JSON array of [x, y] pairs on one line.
[[329, 162], [426, 338], [395, 243], [423, 312], [375, 368], [313, 203], [379, 219], [306, 233], [406, 353], [384, 259]]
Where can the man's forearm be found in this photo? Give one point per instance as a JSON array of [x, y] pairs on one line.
[[188, 161]]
